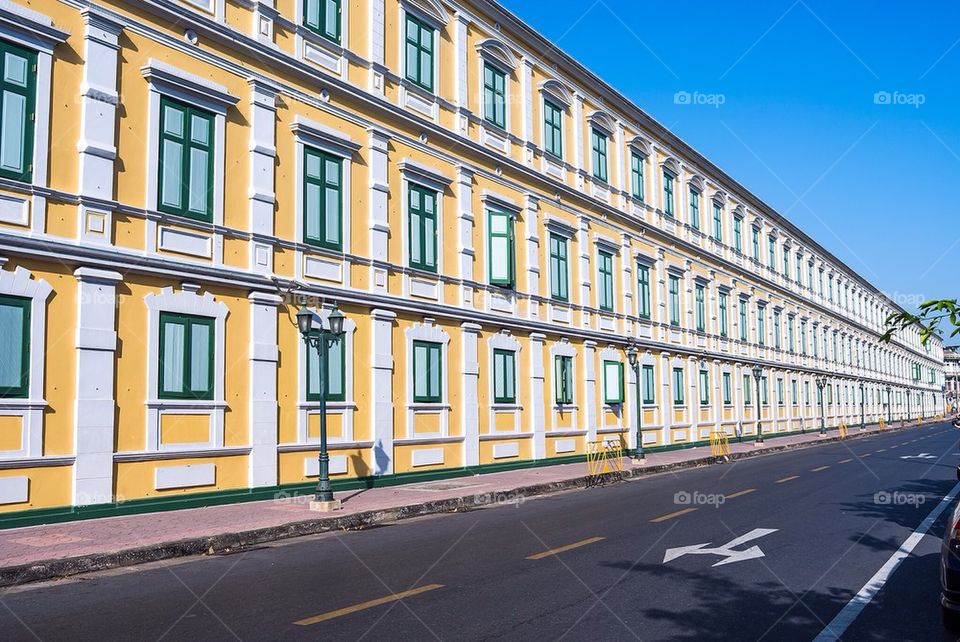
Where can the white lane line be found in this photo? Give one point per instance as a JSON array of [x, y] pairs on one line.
[[849, 613]]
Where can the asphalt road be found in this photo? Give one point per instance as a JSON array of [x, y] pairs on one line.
[[491, 573]]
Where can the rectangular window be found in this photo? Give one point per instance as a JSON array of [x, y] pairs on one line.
[[419, 53], [668, 194], [422, 211], [18, 81], [612, 382], [186, 357], [701, 313], [723, 314], [563, 378], [674, 282], [761, 331], [494, 96], [756, 244], [186, 160], [501, 243], [790, 335], [786, 263], [636, 175], [795, 392], [747, 390], [803, 338], [504, 376], [763, 390], [810, 275], [704, 388], [558, 268], [743, 320], [799, 270], [727, 389], [599, 147], [323, 17], [695, 209], [427, 372], [717, 223], [776, 329], [806, 393], [780, 399], [14, 347], [322, 199], [552, 129], [605, 268], [336, 372], [643, 285], [772, 251], [678, 386], [738, 234], [649, 387]]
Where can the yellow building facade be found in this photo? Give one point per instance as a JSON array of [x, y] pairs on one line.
[[497, 224]]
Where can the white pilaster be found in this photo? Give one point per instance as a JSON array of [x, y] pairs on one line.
[[471, 402], [531, 235], [378, 222], [590, 389], [537, 400], [465, 225], [526, 106], [263, 153], [264, 354], [666, 398], [578, 136], [382, 391], [377, 45], [462, 97]]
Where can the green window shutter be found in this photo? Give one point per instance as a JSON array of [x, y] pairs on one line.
[[674, 286], [636, 175], [599, 155], [494, 96], [747, 390], [558, 268], [186, 160], [786, 262], [772, 251], [717, 223], [422, 213], [780, 392], [738, 234], [501, 257], [649, 386], [701, 315], [418, 43], [186, 356], [704, 388], [552, 129], [605, 266], [427, 372], [668, 194], [795, 392], [612, 382], [727, 389], [678, 386], [322, 199], [723, 314], [14, 347], [776, 329], [504, 376], [743, 320], [643, 283], [563, 379], [18, 84], [695, 209], [763, 390], [323, 17]]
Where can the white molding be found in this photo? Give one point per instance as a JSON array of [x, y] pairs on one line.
[[186, 476], [504, 341], [427, 331], [14, 490]]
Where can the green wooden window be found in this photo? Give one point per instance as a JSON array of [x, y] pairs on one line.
[[501, 257], [422, 212], [717, 222], [830, 286], [504, 376], [806, 393], [599, 147], [756, 244], [563, 379], [636, 175], [704, 388], [559, 277], [427, 372], [323, 17], [649, 386], [790, 334], [14, 347], [776, 329], [786, 262], [678, 386], [695, 209], [668, 194], [813, 341], [674, 288], [701, 310], [612, 382], [738, 234], [552, 129], [798, 263], [795, 392], [810, 275], [727, 389], [780, 399], [186, 356], [605, 269], [747, 390], [723, 314], [763, 390], [761, 331], [336, 372], [743, 320], [18, 82], [643, 285], [322, 199], [186, 160], [772, 251], [494, 96], [419, 53]]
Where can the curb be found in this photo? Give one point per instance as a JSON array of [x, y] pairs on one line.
[[229, 542]]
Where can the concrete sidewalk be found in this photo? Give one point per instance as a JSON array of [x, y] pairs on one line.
[[56, 550]]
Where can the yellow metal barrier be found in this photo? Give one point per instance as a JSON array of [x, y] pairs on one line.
[[719, 443], [604, 457], [842, 430], [882, 423]]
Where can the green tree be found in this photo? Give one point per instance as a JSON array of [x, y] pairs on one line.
[[929, 316]]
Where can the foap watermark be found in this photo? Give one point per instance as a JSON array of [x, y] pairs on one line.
[[899, 98], [696, 498], [896, 498], [699, 98], [907, 299], [510, 498]]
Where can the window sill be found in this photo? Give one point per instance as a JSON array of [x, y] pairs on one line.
[[186, 404], [21, 403], [428, 406], [506, 407]]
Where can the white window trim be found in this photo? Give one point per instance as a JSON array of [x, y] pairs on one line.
[[496, 54], [316, 49], [413, 173], [563, 349], [186, 301], [21, 283], [617, 409], [504, 341], [428, 331], [215, 8], [346, 408], [432, 13]]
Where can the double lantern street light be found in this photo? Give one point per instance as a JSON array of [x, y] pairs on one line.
[[821, 381], [633, 357], [757, 373]]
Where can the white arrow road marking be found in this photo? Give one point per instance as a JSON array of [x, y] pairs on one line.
[[920, 456], [726, 550]]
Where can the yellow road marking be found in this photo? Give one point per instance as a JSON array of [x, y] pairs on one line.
[[786, 479], [677, 513], [817, 470], [739, 493], [844, 461], [561, 549], [367, 605]]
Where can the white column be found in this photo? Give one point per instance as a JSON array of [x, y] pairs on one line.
[[620, 185], [631, 401], [264, 355], [692, 398], [537, 389], [531, 234], [471, 402], [666, 399], [526, 105], [382, 391], [465, 225], [590, 389], [660, 309], [377, 45], [462, 97], [96, 343], [263, 154], [97, 145], [378, 221], [585, 248], [578, 137], [717, 400], [626, 270]]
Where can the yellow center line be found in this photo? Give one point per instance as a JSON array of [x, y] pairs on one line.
[[678, 513], [817, 470], [845, 461], [561, 549], [786, 479], [367, 605], [739, 493]]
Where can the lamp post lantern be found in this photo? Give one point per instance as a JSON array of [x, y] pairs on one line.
[[757, 372], [821, 381], [634, 358], [320, 339]]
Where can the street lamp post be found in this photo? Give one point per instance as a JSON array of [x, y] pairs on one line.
[[821, 384], [862, 422], [757, 371], [909, 394], [321, 339], [889, 407], [633, 357]]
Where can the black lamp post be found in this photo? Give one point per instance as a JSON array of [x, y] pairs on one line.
[[889, 407], [321, 339], [909, 394], [862, 400], [757, 372], [633, 357], [821, 384]]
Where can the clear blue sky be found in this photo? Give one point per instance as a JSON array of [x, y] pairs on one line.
[[876, 184]]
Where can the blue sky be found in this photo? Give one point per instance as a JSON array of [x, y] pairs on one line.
[[799, 124]]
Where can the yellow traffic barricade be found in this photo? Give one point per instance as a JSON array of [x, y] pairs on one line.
[[604, 457], [719, 443], [882, 423], [842, 430]]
